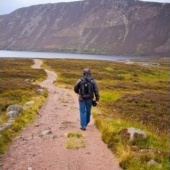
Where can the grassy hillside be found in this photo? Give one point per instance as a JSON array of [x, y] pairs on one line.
[[131, 96], [17, 86]]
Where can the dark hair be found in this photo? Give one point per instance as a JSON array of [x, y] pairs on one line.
[[86, 72]]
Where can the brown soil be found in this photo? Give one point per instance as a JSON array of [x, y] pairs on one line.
[[60, 115]]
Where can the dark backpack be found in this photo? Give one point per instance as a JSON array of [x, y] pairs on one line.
[[86, 88]]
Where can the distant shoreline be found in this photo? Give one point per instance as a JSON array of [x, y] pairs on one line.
[[52, 55]]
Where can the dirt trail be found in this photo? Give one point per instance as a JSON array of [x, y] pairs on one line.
[[35, 152]]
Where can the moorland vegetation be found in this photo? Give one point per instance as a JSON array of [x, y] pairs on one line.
[[132, 95], [18, 86]]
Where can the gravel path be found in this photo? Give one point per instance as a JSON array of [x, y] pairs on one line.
[[59, 116]]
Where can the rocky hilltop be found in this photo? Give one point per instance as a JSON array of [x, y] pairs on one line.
[[118, 27]]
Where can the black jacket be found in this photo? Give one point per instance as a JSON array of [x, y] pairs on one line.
[[95, 88]]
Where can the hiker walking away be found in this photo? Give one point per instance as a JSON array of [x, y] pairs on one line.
[[87, 89]]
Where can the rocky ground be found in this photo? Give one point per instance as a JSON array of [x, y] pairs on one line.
[[42, 144]]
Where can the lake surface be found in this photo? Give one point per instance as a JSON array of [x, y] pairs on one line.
[[25, 54]]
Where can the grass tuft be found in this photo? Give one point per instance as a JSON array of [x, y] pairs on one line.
[[75, 140]]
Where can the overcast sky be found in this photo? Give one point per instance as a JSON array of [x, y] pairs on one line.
[[8, 6]]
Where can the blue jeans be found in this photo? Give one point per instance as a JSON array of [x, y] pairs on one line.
[[85, 112]]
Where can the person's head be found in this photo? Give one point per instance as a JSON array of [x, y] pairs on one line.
[[86, 72]]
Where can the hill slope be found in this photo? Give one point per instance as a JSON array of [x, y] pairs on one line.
[[126, 27]]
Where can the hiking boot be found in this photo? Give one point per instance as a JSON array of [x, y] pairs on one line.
[[82, 128]]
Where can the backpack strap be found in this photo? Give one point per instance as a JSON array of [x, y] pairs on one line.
[[84, 78]]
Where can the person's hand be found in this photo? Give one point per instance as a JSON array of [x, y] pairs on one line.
[[97, 102]]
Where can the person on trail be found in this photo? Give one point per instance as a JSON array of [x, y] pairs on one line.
[[86, 87]]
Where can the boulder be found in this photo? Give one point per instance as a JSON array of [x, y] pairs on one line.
[[14, 110], [133, 134], [29, 103], [14, 107], [40, 91], [46, 132], [27, 80], [10, 120], [12, 114], [7, 125], [152, 162]]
